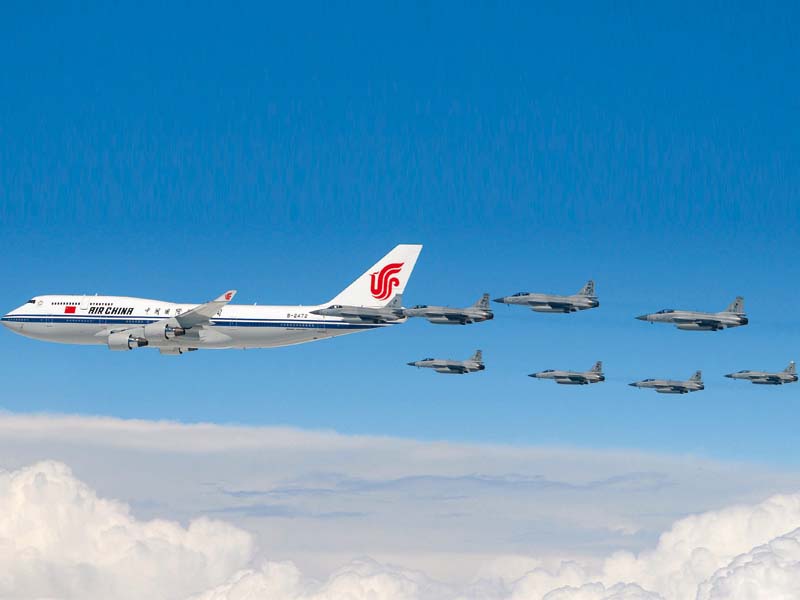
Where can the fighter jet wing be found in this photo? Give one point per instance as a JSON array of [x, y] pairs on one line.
[[200, 315], [452, 369]]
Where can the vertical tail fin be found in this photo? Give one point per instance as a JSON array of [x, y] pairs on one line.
[[737, 306], [483, 303], [477, 357], [381, 282], [791, 369], [598, 367], [698, 376], [588, 289], [396, 302]]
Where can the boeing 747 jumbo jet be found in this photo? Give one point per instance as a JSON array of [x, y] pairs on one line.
[[124, 323]]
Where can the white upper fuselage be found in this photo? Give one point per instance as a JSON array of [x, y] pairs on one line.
[[72, 319]]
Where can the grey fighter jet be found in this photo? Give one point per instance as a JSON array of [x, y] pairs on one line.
[[788, 375], [444, 315], [555, 304], [669, 386], [733, 316], [452, 367], [391, 313], [595, 375]]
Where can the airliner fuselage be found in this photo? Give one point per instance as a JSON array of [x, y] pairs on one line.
[[125, 323]]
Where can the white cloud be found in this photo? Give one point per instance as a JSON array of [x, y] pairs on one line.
[[466, 522], [59, 540]]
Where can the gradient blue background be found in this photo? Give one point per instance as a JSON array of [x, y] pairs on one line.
[[178, 152]]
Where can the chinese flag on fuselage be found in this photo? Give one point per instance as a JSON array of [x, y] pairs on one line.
[[69, 310]]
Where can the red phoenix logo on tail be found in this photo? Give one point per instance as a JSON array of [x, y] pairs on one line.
[[382, 283]]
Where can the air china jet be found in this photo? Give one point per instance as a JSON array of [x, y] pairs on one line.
[[124, 323]]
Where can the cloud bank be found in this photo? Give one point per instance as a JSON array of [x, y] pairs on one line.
[[228, 513]]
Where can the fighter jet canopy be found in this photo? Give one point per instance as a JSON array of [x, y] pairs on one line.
[[665, 311], [521, 294]]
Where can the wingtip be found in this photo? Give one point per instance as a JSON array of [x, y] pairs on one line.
[[227, 296]]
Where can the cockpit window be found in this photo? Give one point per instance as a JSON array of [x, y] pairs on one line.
[[648, 379], [31, 301], [424, 359], [666, 310], [521, 293], [548, 371], [421, 306]]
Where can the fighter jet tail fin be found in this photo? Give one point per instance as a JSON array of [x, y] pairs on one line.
[[737, 306], [791, 369], [598, 367], [396, 302], [383, 281], [588, 289], [477, 357], [698, 376], [483, 303]]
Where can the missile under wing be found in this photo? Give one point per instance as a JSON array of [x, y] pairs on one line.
[[670, 386], [452, 367], [788, 375], [594, 375], [689, 320], [552, 303], [444, 315]]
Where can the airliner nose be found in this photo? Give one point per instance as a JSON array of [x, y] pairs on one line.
[[642, 317]]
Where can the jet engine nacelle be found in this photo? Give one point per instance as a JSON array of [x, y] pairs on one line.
[[162, 331], [122, 340]]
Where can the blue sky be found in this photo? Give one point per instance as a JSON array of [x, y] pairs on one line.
[[176, 153]]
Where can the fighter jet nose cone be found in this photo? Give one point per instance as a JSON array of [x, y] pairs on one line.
[[729, 376], [532, 375], [498, 300], [632, 384], [642, 317]]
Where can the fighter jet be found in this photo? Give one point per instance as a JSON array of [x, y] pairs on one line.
[[733, 316], [668, 386], [595, 375], [444, 315], [452, 367], [391, 313], [583, 300], [788, 375]]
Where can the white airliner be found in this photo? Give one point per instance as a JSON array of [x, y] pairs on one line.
[[124, 323]]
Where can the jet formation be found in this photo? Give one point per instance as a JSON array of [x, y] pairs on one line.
[[373, 301]]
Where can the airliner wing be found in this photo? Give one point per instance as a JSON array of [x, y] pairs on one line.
[[200, 315]]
